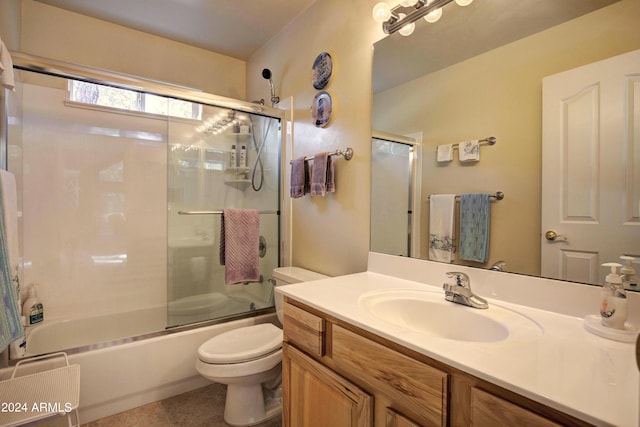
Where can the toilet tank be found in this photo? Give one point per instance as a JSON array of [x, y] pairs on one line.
[[288, 276]]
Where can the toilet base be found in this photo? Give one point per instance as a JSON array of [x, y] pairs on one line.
[[249, 404]]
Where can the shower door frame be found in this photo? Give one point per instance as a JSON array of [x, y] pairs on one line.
[[31, 63]]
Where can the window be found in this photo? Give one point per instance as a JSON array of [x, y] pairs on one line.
[[95, 94]]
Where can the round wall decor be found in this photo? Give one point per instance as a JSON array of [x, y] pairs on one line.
[[321, 109], [321, 70]]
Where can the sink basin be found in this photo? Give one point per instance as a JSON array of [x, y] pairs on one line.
[[430, 314]]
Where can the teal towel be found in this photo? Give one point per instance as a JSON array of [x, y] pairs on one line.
[[10, 322], [475, 212]]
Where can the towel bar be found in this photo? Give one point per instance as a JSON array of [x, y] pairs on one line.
[[219, 212], [347, 154], [490, 140], [499, 195]]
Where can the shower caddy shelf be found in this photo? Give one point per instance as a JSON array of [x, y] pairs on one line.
[[234, 175]]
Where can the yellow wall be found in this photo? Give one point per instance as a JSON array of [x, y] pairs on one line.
[[499, 93], [330, 235], [55, 33]]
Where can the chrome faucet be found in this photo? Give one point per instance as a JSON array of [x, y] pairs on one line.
[[460, 292], [498, 266]]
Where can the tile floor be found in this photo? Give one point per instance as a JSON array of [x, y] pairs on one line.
[[203, 407]]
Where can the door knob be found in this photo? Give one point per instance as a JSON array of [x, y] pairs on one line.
[[553, 236]]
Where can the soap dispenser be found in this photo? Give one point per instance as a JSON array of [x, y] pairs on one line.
[[33, 310], [613, 306], [629, 278]]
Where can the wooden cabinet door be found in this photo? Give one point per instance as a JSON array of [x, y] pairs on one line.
[[315, 396], [488, 410], [394, 419]]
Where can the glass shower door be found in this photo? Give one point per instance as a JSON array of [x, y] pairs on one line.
[[228, 159]]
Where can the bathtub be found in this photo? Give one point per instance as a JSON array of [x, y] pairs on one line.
[[99, 331], [136, 371], [64, 334]]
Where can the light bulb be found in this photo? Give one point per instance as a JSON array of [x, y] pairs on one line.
[[433, 16], [406, 30], [464, 2], [409, 3], [381, 12]]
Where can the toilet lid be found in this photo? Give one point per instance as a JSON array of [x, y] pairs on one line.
[[242, 344]]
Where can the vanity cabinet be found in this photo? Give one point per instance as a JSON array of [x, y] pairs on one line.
[[336, 374]]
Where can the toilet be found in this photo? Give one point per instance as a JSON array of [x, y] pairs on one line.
[[249, 361]]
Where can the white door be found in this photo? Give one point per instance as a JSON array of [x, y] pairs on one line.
[[591, 168]]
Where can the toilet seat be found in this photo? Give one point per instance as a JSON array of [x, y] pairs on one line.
[[242, 344]]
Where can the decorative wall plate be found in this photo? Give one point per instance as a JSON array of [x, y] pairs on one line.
[[321, 70], [321, 109]]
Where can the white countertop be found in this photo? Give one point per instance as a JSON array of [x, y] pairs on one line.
[[565, 367]]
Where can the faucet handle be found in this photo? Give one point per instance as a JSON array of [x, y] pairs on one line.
[[461, 278]]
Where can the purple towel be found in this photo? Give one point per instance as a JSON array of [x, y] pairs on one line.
[[299, 177], [239, 245], [322, 175]]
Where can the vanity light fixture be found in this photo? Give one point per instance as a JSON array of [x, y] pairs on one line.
[[402, 17]]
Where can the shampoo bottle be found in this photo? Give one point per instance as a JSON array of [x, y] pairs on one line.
[[629, 278], [233, 161], [33, 310], [242, 161], [613, 306]]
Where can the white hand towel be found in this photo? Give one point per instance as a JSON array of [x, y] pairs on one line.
[[6, 67], [469, 151], [441, 227], [445, 153]]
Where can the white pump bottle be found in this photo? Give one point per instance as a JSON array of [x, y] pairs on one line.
[[613, 307]]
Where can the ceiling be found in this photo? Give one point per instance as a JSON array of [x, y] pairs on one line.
[[235, 28]]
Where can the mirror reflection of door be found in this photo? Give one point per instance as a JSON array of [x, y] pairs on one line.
[[392, 211], [591, 121]]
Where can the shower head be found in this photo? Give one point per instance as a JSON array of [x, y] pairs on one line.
[[266, 74]]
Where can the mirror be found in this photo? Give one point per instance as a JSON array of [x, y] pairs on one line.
[[478, 72]]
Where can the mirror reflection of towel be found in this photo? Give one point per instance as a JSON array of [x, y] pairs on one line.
[[444, 153], [475, 216], [442, 241], [469, 151]]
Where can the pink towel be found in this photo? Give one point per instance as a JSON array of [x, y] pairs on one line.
[[239, 245]]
